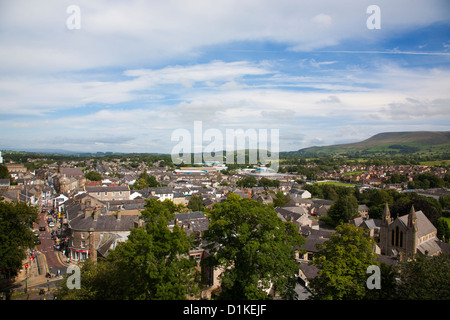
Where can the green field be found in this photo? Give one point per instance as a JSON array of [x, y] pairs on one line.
[[436, 163], [446, 219], [352, 173], [336, 183]]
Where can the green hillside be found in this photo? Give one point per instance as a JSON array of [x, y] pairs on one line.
[[415, 142]]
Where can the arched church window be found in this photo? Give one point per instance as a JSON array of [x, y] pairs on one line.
[[401, 239], [396, 236]]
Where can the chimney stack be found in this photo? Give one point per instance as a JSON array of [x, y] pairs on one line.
[[96, 213], [119, 215], [88, 212]]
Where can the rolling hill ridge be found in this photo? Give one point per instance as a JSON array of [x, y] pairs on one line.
[[413, 142]]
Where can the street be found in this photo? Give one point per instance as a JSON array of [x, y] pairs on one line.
[[46, 246]]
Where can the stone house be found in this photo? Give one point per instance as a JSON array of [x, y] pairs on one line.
[[87, 231], [107, 193]]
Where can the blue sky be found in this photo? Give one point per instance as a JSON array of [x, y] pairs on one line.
[[135, 71]]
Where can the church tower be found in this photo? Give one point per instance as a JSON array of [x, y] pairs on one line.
[[411, 232], [384, 230]]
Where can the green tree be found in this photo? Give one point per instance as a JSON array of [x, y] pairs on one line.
[[153, 264], [195, 203], [16, 220], [425, 278], [344, 209], [267, 183], [254, 247], [4, 173], [281, 200], [248, 182], [445, 202], [172, 207], [93, 176], [425, 181], [329, 192], [443, 230], [145, 181], [342, 262]]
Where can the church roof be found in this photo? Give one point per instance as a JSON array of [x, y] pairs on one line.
[[424, 226], [429, 247]]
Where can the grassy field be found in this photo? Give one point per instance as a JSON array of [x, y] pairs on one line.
[[352, 173], [436, 163], [446, 219], [336, 183]]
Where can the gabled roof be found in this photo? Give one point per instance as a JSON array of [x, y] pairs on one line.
[[424, 226], [72, 171], [103, 223], [107, 189]]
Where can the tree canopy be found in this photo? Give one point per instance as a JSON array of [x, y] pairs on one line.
[[344, 209], [16, 221], [247, 182], [342, 262], [93, 176], [195, 203], [145, 181], [254, 247]]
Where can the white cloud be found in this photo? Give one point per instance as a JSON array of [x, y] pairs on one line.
[[142, 67], [139, 32]]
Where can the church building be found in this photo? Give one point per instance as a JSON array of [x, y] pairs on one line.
[[409, 234]]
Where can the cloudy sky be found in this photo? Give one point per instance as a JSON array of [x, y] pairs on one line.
[[123, 75]]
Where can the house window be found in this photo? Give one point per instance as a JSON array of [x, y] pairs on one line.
[[392, 237], [82, 236], [83, 244], [106, 193]]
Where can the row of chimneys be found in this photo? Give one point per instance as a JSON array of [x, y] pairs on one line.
[[189, 227], [89, 211]]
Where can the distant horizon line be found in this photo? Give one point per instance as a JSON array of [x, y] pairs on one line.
[[63, 151]]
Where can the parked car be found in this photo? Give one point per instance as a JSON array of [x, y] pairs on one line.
[[42, 228], [51, 224]]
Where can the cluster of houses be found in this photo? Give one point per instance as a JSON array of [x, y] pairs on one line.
[[379, 175], [97, 215]]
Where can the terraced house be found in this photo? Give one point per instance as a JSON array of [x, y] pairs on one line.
[[108, 193]]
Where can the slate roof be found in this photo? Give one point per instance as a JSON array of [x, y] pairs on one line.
[[190, 215], [72, 171], [312, 242], [310, 271], [192, 222], [103, 223], [287, 214], [429, 247], [107, 189], [424, 226]]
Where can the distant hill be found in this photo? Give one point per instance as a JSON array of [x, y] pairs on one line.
[[414, 142]]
